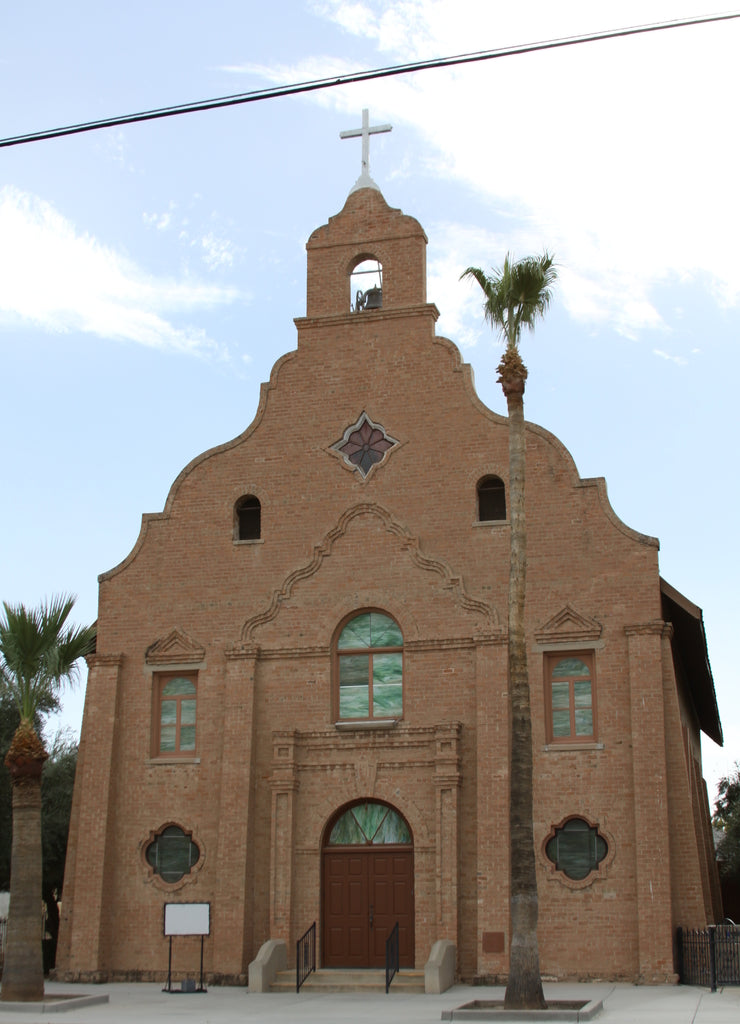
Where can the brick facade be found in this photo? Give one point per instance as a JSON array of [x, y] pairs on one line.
[[256, 622]]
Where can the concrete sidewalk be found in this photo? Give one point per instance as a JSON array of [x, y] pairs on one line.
[[147, 1004]]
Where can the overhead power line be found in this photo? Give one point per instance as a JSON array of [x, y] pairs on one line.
[[358, 76]]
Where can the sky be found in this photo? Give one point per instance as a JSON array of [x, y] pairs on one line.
[[150, 274]]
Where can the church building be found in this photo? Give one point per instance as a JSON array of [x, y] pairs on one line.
[[298, 708]]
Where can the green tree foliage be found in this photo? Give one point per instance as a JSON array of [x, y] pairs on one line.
[[727, 818]]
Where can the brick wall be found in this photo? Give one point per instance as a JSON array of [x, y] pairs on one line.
[[258, 620]]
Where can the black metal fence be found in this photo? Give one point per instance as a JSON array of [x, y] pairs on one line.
[[391, 957], [709, 956], [305, 956]]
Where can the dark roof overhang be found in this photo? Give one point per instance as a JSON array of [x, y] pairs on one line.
[[690, 644]]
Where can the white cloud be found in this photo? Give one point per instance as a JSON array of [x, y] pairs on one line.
[[217, 252], [455, 248], [160, 221], [57, 279], [619, 150], [678, 360]]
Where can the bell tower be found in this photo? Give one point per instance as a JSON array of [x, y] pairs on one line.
[[366, 231]]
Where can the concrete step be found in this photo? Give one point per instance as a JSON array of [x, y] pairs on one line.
[[336, 980]]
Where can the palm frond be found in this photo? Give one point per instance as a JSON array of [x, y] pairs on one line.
[[516, 295], [39, 653]]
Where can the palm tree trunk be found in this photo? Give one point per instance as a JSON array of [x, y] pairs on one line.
[[23, 970], [524, 986]]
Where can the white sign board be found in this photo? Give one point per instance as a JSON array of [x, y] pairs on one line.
[[187, 918]]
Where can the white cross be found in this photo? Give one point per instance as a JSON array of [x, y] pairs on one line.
[[366, 131]]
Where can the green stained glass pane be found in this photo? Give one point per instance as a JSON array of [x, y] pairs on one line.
[[387, 700], [173, 858], [561, 723], [387, 668], [574, 855], [167, 735], [370, 629], [172, 854], [576, 849], [187, 737], [346, 832], [178, 687], [168, 712], [387, 684], [354, 669], [393, 829], [369, 817], [584, 722], [356, 633], [369, 822], [354, 700], [560, 695], [187, 712], [571, 667], [384, 632], [582, 693]]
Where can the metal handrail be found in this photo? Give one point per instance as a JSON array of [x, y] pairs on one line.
[[391, 957], [305, 956]]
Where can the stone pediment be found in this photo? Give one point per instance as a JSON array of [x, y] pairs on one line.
[[569, 626], [174, 648]]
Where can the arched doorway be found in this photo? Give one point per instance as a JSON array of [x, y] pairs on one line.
[[368, 885]]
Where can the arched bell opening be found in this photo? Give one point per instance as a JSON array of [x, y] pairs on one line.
[[366, 285], [367, 874]]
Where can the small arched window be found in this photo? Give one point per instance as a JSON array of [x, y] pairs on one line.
[[247, 518], [369, 655], [491, 499]]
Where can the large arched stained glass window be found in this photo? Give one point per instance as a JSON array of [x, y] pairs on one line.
[[369, 824], [370, 667]]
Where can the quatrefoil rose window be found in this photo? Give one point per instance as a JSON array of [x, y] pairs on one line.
[[364, 444]]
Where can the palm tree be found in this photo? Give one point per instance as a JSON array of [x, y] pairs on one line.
[[516, 296], [38, 655]]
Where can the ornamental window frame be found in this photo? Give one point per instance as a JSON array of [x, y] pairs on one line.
[[600, 866], [161, 681], [364, 446], [574, 737], [371, 652], [194, 860]]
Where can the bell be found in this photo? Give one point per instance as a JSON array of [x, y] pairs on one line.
[[373, 298]]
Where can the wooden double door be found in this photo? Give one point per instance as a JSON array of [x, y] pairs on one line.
[[366, 890]]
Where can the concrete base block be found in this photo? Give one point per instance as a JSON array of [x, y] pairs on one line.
[[439, 970], [272, 957]]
